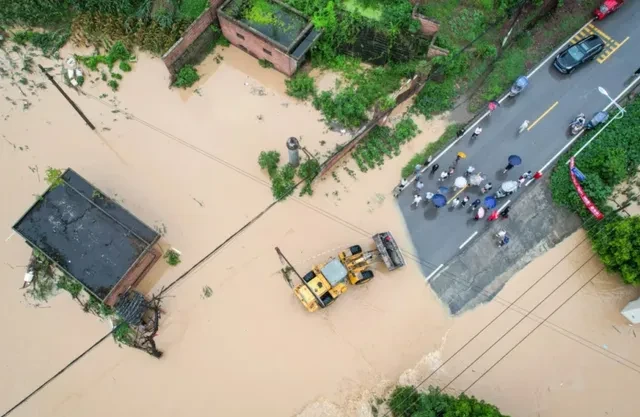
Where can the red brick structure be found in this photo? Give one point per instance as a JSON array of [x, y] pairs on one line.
[[283, 43], [193, 32], [429, 27]]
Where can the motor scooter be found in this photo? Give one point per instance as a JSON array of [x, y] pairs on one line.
[[520, 84], [577, 124]]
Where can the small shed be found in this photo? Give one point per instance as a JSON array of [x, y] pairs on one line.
[[90, 237]]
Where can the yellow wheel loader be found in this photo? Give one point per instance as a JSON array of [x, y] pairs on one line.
[[324, 283]]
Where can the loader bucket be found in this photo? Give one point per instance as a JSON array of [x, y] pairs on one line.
[[389, 251]]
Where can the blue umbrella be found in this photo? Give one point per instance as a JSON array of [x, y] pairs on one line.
[[490, 202], [515, 160], [439, 200], [443, 190]]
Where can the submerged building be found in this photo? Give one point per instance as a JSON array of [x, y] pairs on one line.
[[90, 237], [268, 30]]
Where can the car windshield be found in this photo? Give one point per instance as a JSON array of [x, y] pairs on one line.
[[577, 52]]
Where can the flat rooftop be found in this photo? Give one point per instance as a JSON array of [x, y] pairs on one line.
[[272, 19], [88, 235]]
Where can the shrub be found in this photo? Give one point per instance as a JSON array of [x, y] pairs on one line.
[[187, 76], [172, 257], [53, 177], [116, 76], [47, 42], [308, 171], [618, 246], [265, 63], [124, 66], [269, 160], [347, 107], [301, 86], [191, 9], [435, 98], [282, 184], [407, 402], [113, 84]]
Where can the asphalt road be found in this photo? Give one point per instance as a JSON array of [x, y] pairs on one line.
[[550, 102]]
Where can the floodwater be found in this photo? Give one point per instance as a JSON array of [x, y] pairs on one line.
[[186, 163]]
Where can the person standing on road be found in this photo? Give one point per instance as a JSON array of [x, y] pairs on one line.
[[455, 202], [475, 204], [452, 170], [465, 200], [469, 171], [508, 167], [521, 180], [443, 176], [419, 185], [527, 175], [460, 132], [428, 160], [488, 186], [476, 132], [417, 169], [428, 196], [434, 168], [416, 200], [523, 126], [400, 187]]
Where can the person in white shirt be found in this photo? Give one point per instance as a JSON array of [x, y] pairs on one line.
[[416, 200]]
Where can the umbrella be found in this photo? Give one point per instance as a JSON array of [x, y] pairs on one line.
[[515, 160], [490, 201], [509, 186], [460, 182], [480, 213], [494, 215], [461, 155], [476, 179], [443, 190], [439, 200]]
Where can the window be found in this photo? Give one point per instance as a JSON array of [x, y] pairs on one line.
[[239, 35], [266, 51]]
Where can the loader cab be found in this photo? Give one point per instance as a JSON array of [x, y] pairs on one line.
[[326, 283]]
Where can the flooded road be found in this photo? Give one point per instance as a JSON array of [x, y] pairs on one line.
[[186, 163]]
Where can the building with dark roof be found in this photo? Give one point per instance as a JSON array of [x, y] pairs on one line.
[[90, 237]]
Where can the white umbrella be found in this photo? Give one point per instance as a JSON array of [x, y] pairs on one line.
[[460, 182], [476, 179], [509, 186]]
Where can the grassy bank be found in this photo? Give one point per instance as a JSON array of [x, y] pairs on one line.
[[611, 159]]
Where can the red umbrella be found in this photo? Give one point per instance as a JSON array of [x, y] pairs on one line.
[[494, 216]]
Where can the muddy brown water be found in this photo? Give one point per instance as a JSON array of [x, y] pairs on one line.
[[185, 163]]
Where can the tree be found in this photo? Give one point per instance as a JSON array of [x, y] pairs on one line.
[[618, 245], [408, 402]]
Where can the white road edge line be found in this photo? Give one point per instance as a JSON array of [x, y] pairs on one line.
[[481, 118], [433, 273], [554, 53], [468, 240], [503, 206], [564, 148]]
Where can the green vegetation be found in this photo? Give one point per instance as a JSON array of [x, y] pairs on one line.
[[113, 84], [618, 245], [123, 334], [265, 63], [207, 291], [431, 149], [383, 141], [53, 177], [365, 89], [124, 66], [172, 257], [70, 285], [301, 86], [308, 171], [191, 9], [282, 178], [117, 52], [408, 402], [187, 76], [48, 42], [610, 160]]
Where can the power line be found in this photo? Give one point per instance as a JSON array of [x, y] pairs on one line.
[[499, 315], [533, 330]]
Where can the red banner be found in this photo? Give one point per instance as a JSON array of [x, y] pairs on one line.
[[585, 199]]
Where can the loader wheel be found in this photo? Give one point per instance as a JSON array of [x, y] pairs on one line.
[[366, 277], [310, 275], [355, 249]]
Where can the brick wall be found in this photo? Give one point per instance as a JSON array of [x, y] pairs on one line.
[[208, 17], [257, 47], [428, 27]]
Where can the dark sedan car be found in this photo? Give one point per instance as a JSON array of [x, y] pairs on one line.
[[577, 54]]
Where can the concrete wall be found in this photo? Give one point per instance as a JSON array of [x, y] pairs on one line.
[[257, 47], [193, 32]]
